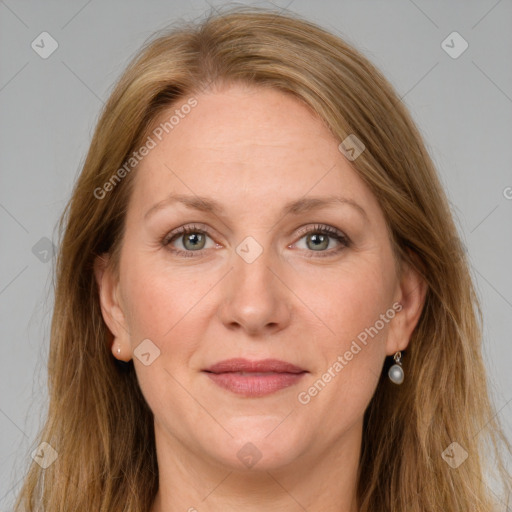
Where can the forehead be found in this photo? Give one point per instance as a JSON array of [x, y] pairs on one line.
[[250, 144]]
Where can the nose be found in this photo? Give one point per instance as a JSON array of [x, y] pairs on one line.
[[255, 298]]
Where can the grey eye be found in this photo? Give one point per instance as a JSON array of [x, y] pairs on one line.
[[193, 240], [317, 241]]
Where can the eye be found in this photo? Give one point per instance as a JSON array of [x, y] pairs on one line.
[[318, 238], [192, 238]]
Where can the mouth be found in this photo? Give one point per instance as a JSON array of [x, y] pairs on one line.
[[254, 378]]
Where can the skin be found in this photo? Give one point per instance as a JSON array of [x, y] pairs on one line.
[[253, 150]]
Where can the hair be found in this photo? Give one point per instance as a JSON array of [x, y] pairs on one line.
[[98, 420]]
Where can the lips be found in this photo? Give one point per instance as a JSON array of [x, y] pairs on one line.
[[262, 366], [254, 378]]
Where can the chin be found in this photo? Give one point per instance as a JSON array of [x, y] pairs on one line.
[[260, 448]]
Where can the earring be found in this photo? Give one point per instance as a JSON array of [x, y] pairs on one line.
[[396, 372], [118, 350]]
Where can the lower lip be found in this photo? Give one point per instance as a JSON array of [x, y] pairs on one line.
[[256, 384]]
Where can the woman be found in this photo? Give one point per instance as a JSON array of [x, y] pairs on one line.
[[261, 300]]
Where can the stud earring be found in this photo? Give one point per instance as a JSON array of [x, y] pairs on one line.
[[118, 350], [396, 372]]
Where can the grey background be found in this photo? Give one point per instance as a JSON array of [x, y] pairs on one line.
[[49, 107]]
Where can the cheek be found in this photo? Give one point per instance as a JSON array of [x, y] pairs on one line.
[[164, 307], [353, 300], [357, 308], [358, 341], [159, 299]]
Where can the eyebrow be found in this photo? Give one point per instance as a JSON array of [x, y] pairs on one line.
[[302, 205]]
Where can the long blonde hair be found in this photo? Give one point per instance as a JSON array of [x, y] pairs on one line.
[[98, 421]]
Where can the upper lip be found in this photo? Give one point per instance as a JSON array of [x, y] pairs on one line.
[[245, 365]]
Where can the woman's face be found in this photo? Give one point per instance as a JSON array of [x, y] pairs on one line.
[[287, 258]]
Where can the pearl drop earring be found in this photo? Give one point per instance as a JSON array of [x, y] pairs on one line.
[[396, 372]]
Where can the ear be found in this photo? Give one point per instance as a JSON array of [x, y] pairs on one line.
[[111, 308], [411, 293]]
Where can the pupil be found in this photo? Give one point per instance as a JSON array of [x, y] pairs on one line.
[[194, 239], [318, 239]]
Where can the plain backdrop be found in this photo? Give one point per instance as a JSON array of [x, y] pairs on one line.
[[461, 101]]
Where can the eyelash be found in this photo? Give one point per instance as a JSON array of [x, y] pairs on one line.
[[317, 229]]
